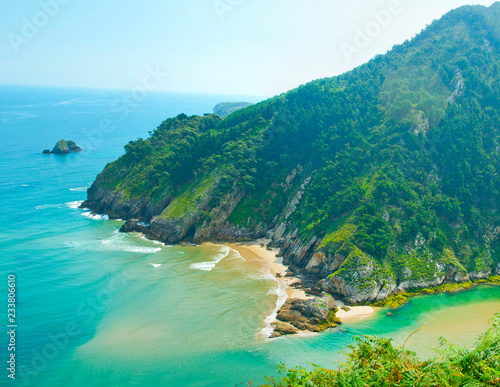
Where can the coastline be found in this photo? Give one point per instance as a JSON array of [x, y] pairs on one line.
[[257, 250], [278, 270]]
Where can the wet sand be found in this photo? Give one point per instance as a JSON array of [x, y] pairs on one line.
[[254, 250]]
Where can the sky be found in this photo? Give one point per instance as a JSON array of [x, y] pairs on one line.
[[243, 47]]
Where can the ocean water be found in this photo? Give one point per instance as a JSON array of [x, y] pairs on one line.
[[96, 307]]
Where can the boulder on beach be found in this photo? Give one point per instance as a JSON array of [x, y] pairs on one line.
[[283, 328], [315, 315]]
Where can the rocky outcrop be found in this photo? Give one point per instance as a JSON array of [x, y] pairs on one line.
[[187, 218], [314, 315], [134, 225], [118, 206], [459, 87], [283, 328], [63, 147]]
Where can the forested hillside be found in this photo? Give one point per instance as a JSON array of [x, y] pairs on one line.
[[381, 179]]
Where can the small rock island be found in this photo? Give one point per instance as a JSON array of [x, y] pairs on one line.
[[62, 147]]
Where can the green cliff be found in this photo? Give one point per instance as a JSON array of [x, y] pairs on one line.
[[379, 180]]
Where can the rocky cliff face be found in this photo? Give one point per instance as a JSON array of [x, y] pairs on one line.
[[115, 204]]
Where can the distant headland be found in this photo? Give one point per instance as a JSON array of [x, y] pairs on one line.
[[224, 109]]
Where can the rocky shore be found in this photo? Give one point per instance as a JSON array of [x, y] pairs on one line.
[[314, 315], [303, 310]]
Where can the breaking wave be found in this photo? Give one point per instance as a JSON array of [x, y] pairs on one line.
[[208, 266], [117, 242]]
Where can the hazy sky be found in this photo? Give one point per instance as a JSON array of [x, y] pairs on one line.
[[261, 47]]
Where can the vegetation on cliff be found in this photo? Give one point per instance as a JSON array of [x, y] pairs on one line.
[[376, 362], [375, 181]]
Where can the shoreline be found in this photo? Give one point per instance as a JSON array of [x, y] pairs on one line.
[[254, 250], [257, 250]]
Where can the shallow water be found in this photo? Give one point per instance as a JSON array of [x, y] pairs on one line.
[[100, 308]]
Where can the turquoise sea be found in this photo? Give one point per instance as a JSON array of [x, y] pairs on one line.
[[99, 308]]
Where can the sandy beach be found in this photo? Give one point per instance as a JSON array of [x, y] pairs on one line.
[[254, 250], [355, 313]]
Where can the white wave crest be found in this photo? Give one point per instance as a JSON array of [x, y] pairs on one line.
[[117, 242], [143, 237], [208, 266], [75, 205], [280, 291], [263, 276], [79, 189], [274, 291], [237, 254], [90, 215]]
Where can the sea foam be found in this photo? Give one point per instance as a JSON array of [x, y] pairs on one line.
[[75, 205], [263, 276], [90, 215], [117, 242], [280, 291], [208, 266]]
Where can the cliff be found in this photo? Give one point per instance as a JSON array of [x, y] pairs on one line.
[[372, 182]]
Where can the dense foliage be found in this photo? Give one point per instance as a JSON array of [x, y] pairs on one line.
[[402, 154], [376, 362]]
